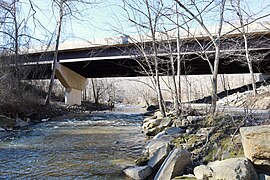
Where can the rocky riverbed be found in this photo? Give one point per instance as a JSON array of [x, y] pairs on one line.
[[195, 146]]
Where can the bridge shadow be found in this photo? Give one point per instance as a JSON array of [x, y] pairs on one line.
[[226, 93]]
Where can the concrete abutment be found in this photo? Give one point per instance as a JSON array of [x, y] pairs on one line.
[[73, 82]]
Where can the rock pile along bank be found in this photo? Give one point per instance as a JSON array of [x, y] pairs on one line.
[[195, 146]]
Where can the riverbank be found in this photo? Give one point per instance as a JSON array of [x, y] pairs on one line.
[[14, 117], [179, 145]]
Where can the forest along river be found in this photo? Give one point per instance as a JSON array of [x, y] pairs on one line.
[[94, 146]]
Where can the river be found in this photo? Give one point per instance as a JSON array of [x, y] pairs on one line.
[[94, 146]]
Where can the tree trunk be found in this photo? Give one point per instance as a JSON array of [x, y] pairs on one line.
[[55, 56], [94, 91], [217, 58], [252, 79], [178, 62], [16, 42], [216, 42], [214, 78], [174, 89], [158, 88]]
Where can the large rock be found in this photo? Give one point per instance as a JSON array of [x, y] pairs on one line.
[[204, 131], [195, 119], [165, 122], [159, 156], [172, 131], [177, 122], [138, 172], [235, 168], [153, 131], [6, 122], [174, 165], [153, 145], [159, 135], [151, 123], [256, 144]]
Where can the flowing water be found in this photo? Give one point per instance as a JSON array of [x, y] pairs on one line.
[[94, 146]]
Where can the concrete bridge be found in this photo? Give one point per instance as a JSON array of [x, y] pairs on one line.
[[122, 57]]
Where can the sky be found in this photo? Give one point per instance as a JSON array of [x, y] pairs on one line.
[[93, 22]]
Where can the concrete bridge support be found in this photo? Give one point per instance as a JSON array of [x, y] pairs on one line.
[[73, 82]]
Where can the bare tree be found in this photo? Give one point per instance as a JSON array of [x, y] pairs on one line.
[[243, 27], [150, 15], [66, 8], [13, 31], [99, 89], [215, 39], [61, 4], [175, 90]]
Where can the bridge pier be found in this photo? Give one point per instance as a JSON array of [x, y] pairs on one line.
[[73, 96], [73, 82]]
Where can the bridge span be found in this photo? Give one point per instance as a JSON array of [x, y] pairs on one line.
[[125, 59]]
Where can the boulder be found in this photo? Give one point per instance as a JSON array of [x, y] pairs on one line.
[[159, 135], [151, 123], [255, 141], [174, 165], [165, 122], [174, 131], [6, 122], [141, 161], [203, 172], [154, 122], [235, 168], [153, 145], [177, 122], [138, 172], [21, 123], [184, 123], [159, 156], [204, 131], [194, 119], [153, 131], [158, 114], [170, 133]]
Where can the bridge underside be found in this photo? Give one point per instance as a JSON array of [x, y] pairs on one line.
[[126, 60], [191, 65]]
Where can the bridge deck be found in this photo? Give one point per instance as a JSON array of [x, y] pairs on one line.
[[122, 59]]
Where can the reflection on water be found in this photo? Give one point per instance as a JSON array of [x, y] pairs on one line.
[[90, 147]]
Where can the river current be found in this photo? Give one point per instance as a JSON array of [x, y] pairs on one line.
[[94, 146]]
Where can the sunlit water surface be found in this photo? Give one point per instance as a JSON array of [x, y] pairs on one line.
[[95, 146]]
